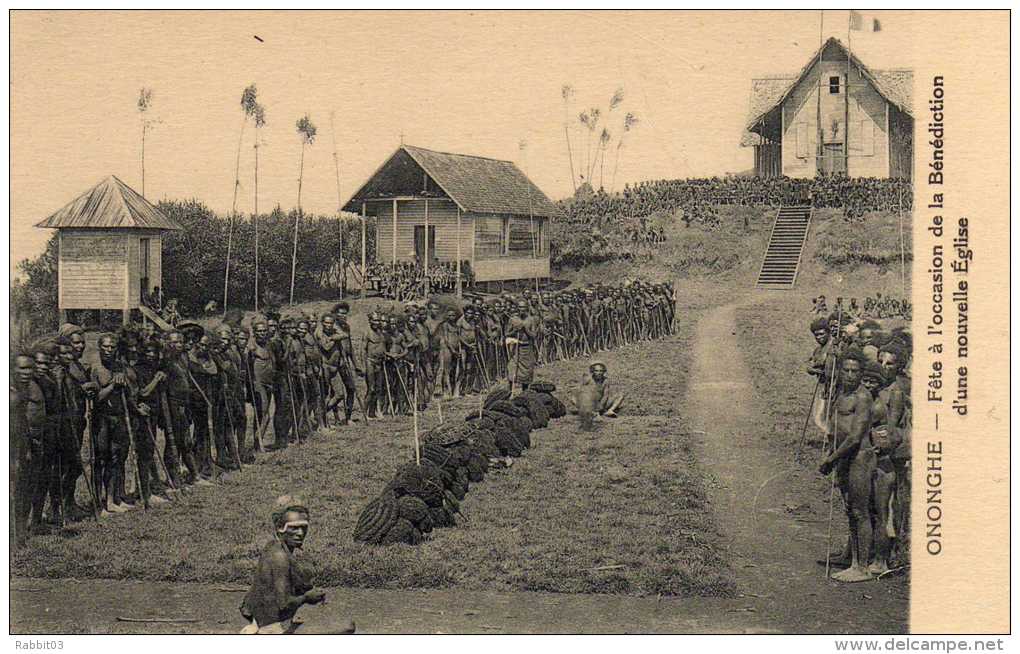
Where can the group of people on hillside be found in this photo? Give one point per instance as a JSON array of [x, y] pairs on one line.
[[874, 306], [214, 393], [863, 406], [698, 197], [408, 280]]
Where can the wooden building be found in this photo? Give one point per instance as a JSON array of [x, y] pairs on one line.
[[437, 206], [798, 124], [110, 248]]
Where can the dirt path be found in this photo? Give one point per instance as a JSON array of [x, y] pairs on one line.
[[775, 546]]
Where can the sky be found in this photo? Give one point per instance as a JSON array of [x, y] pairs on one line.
[[469, 82]]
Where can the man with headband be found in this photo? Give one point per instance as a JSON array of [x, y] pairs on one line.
[[281, 584]]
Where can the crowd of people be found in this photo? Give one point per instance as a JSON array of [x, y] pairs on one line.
[[874, 306], [408, 280], [449, 352], [698, 197], [213, 393], [862, 404]]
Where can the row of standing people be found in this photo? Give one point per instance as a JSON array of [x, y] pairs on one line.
[[426, 350], [863, 406], [79, 416], [215, 395]]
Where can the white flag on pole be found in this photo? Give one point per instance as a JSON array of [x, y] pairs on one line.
[[864, 22]]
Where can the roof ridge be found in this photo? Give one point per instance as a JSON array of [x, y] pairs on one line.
[[124, 205], [456, 154]]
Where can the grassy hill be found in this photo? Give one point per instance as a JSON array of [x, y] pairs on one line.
[[840, 258]]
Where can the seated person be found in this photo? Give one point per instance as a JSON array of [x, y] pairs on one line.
[[281, 585], [594, 396]]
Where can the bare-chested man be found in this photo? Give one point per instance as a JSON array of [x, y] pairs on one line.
[[375, 357], [853, 459], [595, 397], [447, 337], [893, 358], [885, 412]]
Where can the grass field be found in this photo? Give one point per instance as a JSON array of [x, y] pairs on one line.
[[629, 499]]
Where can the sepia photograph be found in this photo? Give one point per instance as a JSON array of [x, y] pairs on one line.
[[484, 322]]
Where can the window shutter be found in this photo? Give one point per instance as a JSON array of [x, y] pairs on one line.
[[802, 140]]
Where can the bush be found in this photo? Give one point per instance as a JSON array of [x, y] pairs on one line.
[[195, 258], [34, 297], [194, 262]]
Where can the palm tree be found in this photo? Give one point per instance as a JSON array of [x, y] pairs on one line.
[[248, 106], [306, 130], [629, 122], [567, 92], [590, 119]]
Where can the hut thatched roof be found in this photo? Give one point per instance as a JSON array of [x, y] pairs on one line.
[[477, 184], [110, 204]]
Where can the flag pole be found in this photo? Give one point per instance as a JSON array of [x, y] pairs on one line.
[[903, 252], [846, 99], [820, 148]]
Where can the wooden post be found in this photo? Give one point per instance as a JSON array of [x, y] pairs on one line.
[[126, 317], [364, 239], [394, 233], [846, 102], [427, 290], [888, 143], [255, 218], [820, 146], [458, 252]]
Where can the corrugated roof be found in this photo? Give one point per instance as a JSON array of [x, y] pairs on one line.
[[478, 184], [110, 203], [895, 85]]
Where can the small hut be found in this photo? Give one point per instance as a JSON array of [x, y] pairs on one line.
[[438, 206], [110, 249]]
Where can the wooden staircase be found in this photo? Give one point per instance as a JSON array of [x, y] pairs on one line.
[[155, 318], [782, 258]]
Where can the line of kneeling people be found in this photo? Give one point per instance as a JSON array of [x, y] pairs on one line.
[[862, 404]]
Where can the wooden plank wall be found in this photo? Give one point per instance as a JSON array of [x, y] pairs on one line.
[[505, 268], [92, 269], [442, 214]]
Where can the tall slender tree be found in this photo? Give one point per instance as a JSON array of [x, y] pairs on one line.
[[260, 121], [567, 92], [604, 138], [590, 119], [629, 122], [339, 211], [248, 106], [144, 103], [306, 131]]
